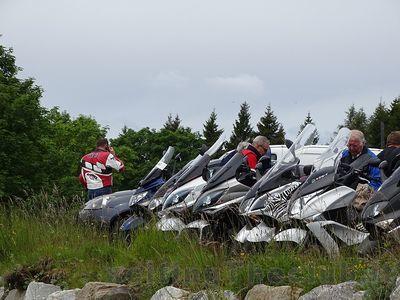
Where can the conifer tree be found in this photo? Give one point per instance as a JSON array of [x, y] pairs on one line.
[[309, 120], [172, 124], [394, 115], [211, 132], [271, 128], [373, 135], [355, 119], [242, 130]]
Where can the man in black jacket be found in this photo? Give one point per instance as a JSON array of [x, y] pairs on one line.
[[390, 152]]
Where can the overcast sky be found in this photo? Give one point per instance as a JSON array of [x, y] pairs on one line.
[[133, 63]]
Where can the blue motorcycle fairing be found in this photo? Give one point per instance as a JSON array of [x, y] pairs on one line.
[[132, 223]]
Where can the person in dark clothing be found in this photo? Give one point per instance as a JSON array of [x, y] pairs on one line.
[[390, 152], [254, 151], [356, 146]]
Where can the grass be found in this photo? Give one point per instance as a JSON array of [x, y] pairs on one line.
[[45, 243]]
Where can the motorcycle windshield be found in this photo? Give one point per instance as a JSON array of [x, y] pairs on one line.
[[388, 190], [306, 137], [170, 182], [328, 158], [272, 178], [199, 163], [176, 197], [228, 171], [156, 171], [325, 166]]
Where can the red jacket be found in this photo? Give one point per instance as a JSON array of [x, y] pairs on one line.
[[96, 169], [252, 156]]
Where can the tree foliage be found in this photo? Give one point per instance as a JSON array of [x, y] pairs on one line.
[[392, 122], [40, 148], [270, 127], [65, 142], [375, 121], [211, 132], [242, 130], [172, 124], [141, 150], [21, 123], [355, 119], [309, 120]]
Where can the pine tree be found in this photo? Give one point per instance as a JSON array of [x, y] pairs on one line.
[[211, 132], [242, 130], [309, 120], [373, 133], [394, 115], [172, 124], [271, 128], [355, 119]]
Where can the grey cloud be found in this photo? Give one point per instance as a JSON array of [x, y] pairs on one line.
[[249, 83]]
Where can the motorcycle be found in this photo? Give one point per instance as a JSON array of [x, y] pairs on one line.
[[190, 171], [265, 208], [321, 209], [175, 206], [181, 208], [381, 214]]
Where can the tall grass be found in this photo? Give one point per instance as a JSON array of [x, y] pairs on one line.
[[41, 239]]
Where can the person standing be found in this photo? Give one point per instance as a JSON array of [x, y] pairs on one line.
[[97, 168]]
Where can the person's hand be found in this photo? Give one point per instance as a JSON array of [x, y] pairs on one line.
[[112, 151]]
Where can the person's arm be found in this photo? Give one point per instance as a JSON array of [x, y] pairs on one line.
[[375, 178], [114, 162], [82, 180]]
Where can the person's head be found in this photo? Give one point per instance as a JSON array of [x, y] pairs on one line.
[[102, 143], [356, 142], [242, 145], [261, 143], [393, 139]]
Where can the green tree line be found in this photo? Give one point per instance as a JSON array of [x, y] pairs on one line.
[[40, 148]]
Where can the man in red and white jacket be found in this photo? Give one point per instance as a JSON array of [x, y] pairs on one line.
[[97, 168]]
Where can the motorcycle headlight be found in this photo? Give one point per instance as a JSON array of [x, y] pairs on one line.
[[176, 197], [385, 224], [98, 202], [156, 202], [137, 198], [208, 199], [295, 206], [375, 209], [245, 205]]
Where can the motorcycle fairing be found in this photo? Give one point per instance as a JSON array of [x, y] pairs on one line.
[[259, 233]]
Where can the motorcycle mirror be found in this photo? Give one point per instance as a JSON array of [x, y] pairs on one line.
[[244, 175], [374, 161], [205, 174], [203, 149], [383, 164], [288, 143], [287, 174], [307, 169], [263, 164]]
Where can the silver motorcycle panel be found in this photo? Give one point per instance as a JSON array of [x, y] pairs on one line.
[[170, 224], [296, 235], [260, 233]]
